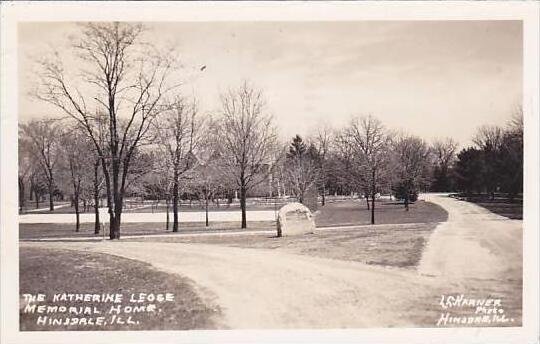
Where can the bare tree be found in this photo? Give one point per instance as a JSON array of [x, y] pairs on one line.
[[179, 132], [443, 152], [369, 145], [41, 139], [412, 161], [159, 181], [206, 179], [515, 125], [248, 139], [489, 140], [121, 76], [510, 162], [488, 137], [78, 158], [301, 174], [350, 178], [97, 183], [27, 167], [323, 141]]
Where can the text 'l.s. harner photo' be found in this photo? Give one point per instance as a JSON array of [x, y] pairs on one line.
[[270, 175]]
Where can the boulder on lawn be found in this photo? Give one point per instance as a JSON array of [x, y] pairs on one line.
[[294, 219]]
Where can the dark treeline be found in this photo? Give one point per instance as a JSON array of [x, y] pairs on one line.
[[493, 165]]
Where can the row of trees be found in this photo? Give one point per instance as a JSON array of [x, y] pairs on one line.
[[182, 152], [368, 159], [364, 158], [127, 129], [237, 151], [495, 163], [122, 99]]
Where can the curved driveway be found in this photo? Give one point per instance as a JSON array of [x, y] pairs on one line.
[[474, 242]]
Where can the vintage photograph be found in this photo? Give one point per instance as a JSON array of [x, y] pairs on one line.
[[270, 175]]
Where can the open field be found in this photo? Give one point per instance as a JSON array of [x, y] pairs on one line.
[[342, 213], [355, 212], [50, 271], [499, 205]]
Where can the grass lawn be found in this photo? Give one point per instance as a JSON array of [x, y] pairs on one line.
[[499, 205], [341, 213], [43, 208], [388, 245], [54, 230], [355, 212], [397, 241], [56, 271]]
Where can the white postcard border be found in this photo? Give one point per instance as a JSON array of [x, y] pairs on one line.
[[12, 13]]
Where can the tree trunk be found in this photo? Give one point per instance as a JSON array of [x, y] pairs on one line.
[[115, 210], [21, 194], [51, 202], [115, 219], [167, 212], [114, 232], [97, 226], [367, 200], [373, 189], [96, 198], [407, 201], [37, 197], [175, 205], [243, 206], [373, 208], [32, 188], [77, 219], [206, 197], [115, 216], [323, 195], [229, 199]]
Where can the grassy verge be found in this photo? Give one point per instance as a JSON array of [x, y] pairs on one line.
[[55, 230], [387, 245], [513, 209], [56, 271], [386, 212]]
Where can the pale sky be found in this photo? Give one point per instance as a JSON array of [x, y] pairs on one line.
[[429, 78]]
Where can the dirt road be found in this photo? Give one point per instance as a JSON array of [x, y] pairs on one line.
[[474, 242], [260, 288], [265, 289]]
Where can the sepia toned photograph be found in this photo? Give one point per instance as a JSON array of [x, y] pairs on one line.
[[270, 175]]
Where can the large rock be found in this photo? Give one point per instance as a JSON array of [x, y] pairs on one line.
[[294, 219]]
